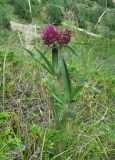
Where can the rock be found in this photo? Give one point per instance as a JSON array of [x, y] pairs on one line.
[[27, 32]]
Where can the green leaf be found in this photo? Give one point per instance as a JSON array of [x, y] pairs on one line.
[[46, 61], [66, 81], [34, 57], [57, 98], [72, 49], [79, 85]]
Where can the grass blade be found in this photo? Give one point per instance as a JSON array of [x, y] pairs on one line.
[[44, 138], [76, 91], [56, 116], [57, 98]]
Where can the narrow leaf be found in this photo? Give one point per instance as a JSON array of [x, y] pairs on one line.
[[73, 50], [66, 81], [46, 61], [56, 116], [57, 98], [34, 57], [79, 85]]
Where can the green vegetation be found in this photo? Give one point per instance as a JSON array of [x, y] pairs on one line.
[[109, 3], [26, 12], [27, 126], [93, 114], [21, 8], [4, 20], [54, 14], [85, 13]]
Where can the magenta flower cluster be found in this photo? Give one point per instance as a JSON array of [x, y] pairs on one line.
[[51, 35], [64, 36]]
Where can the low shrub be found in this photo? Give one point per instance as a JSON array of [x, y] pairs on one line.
[[21, 8], [94, 12], [79, 12], [54, 14], [84, 13], [108, 3], [36, 7], [4, 20], [109, 20]]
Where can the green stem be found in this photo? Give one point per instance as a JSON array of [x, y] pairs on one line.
[[3, 87], [55, 58]]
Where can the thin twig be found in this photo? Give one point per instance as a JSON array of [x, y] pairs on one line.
[[4, 82], [99, 19], [41, 154]]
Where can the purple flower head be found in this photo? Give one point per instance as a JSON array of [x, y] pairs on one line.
[[64, 37], [49, 34]]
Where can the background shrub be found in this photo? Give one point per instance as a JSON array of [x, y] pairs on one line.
[[109, 20], [54, 14], [109, 3], [79, 12], [36, 7], [94, 12], [4, 20], [21, 8]]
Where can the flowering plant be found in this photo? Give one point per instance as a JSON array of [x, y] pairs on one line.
[[60, 87], [57, 38], [51, 35]]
